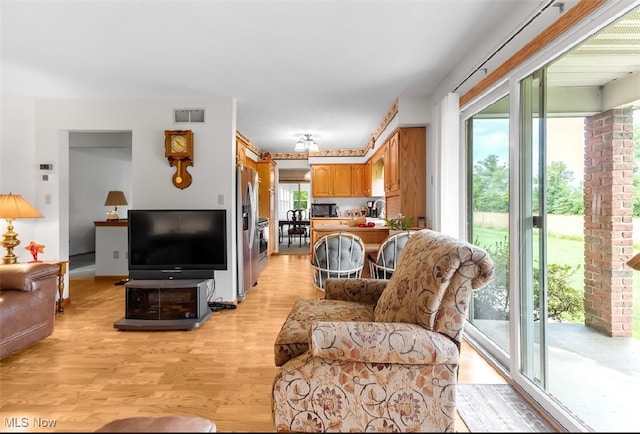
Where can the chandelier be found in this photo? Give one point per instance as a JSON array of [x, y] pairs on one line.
[[306, 143]]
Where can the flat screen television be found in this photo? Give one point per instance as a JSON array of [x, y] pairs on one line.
[[177, 244]]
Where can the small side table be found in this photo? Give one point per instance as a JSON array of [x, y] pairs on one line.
[[62, 270]]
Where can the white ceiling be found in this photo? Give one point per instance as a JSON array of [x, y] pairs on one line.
[[611, 54], [326, 67]]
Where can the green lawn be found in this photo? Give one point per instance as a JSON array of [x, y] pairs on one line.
[[563, 251]]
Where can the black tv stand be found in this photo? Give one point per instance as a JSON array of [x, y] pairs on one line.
[[171, 304]]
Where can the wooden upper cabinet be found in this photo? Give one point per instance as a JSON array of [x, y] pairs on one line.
[[377, 171], [367, 178], [358, 180], [405, 173], [242, 144], [266, 188], [321, 181], [331, 180], [266, 198], [391, 168], [341, 176]]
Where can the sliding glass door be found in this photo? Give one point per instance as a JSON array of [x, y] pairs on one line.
[[529, 182], [532, 227], [488, 210]]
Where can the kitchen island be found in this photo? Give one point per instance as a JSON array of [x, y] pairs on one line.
[[371, 236]]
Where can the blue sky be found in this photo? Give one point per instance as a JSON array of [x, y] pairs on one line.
[[565, 141]]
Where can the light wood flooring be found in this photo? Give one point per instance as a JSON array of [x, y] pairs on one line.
[[88, 373]]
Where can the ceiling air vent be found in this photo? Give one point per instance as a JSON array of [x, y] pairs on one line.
[[188, 115]]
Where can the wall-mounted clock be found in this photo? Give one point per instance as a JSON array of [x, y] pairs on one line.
[[178, 148]]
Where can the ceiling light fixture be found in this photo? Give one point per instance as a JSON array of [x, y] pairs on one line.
[[306, 143]]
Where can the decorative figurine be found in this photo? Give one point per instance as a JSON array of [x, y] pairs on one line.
[[35, 248]]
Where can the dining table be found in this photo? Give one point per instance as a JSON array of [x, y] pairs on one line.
[[282, 223]]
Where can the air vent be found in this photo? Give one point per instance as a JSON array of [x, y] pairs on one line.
[[188, 116]]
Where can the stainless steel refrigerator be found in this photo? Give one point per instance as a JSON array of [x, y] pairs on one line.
[[247, 214]]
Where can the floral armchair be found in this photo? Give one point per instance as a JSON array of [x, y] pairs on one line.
[[380, 355]]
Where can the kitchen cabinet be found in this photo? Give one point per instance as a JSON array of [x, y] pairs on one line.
[[324, 221], [321, 181], [358, 181], [322, 227], [340, 180], [391, 160], [317, 222], [331, 180], [367, 179], [377, 172], [242, 144], [266, 198], [405, 173]]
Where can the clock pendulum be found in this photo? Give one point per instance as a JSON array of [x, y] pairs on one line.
[[178, 177]]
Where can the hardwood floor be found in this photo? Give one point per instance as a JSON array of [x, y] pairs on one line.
[[88, 373]]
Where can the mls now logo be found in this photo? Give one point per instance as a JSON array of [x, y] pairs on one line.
[[25, 422]]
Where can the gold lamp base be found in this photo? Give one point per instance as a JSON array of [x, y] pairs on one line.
[[10, 241]]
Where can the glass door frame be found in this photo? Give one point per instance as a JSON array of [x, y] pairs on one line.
[[534, 363], [512, 361]]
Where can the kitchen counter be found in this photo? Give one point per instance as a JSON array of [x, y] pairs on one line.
[[376, 234], [347, 228], [372, 237]]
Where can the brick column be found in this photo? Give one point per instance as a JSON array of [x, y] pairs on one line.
[[608, 225]]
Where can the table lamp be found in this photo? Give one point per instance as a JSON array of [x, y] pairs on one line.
[[13, 206], [114, 198]]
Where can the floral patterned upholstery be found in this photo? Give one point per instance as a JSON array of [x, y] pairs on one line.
[[345, 299], [390, 364]]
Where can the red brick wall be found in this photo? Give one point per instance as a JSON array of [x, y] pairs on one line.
[[608, 225]]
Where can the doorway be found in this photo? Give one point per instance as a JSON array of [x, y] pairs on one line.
[[99, 161]]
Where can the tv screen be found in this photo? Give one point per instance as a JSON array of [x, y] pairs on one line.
[[177, 244]]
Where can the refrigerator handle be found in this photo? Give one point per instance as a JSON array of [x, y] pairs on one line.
[[252, 214]]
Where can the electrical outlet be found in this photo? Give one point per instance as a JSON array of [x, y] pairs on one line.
[[116, 254], [221, 199]]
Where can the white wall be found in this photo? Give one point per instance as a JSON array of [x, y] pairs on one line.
[[93, 172], [52, 120], [18, 167]]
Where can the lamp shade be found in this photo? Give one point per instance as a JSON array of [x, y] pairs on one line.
[[115, 198], [300, 146], [306, 144], [14, 206]]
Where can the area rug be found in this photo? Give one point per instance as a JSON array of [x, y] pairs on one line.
[[294, 249], [498, 408]]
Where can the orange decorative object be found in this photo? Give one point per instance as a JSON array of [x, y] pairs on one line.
[[35, 248]]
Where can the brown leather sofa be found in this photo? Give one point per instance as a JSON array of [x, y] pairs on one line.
[[27, 304]]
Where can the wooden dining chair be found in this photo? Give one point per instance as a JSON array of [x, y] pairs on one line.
[[295, 227]]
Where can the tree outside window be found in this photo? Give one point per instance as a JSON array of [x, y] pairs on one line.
[[300, 199]]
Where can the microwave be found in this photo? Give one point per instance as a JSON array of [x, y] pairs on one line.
[[324, 210]]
